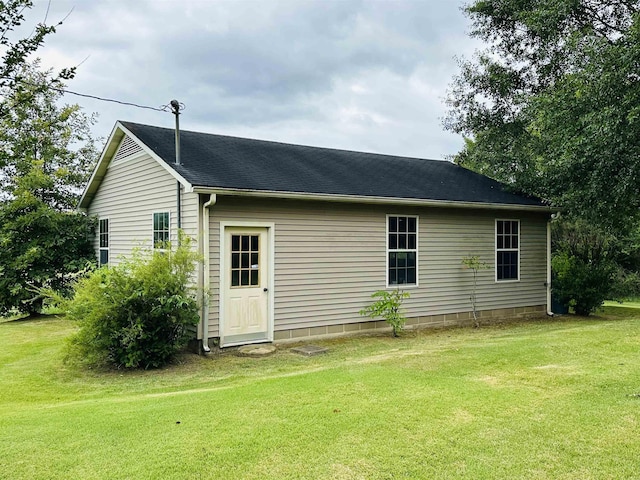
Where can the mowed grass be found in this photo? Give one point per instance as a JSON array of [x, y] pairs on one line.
[[551, 399]]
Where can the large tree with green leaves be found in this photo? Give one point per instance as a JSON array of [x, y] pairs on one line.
[[37, 128], [552, 105], [46, 151], [40, 246]]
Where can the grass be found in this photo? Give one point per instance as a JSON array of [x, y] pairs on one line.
[[553, 399]]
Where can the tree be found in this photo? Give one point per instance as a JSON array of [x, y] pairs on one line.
[[37, 128], [552, 106], [39, 245], [46, 151], [16, 53]]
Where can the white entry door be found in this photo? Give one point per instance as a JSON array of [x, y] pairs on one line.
[[245, 286]]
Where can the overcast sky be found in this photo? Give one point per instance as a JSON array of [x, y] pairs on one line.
[[357, 75]]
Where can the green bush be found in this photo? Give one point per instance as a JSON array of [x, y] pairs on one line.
[[583, 266], [581, 285], [388, 306], [138, 313]]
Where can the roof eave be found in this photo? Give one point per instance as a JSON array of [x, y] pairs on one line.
[[373, 199], [101, 167]]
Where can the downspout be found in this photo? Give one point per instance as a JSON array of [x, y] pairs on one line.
[[175, 109], [206, 251], [549, 309]]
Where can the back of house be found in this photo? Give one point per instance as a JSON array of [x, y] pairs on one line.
[[295, 239]]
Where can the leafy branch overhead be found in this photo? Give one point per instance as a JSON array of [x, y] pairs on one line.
[[552, 105], [16, 53]]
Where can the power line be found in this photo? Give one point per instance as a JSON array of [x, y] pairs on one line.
[[102, 99], [163, 108]]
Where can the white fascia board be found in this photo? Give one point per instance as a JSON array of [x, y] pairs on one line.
[[373, 200], [108, 151]]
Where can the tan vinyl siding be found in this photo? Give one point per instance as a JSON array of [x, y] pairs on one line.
[[330, 257], [131, 191]]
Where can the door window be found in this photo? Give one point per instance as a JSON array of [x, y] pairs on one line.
[[245, 254]]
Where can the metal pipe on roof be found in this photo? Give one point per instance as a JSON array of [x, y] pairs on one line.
[[175, 109]]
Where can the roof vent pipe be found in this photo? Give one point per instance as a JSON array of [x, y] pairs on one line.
[[175, 109]]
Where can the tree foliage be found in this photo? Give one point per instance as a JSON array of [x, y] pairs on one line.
[[38, 129], [552, 106], [39, 246], [16, 53], [46, 151]]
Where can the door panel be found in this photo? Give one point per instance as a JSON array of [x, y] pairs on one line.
[[246, 295]]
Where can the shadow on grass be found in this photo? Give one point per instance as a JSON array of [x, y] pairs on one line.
[[38, 317]]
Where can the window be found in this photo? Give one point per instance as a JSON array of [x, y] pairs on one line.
[[245, 254], [161, 235], [402, 250], [507, 250], [103, 235]]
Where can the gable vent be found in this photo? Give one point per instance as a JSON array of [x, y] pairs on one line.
[[127, 149]]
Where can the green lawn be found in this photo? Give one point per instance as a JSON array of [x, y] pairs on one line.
[[553, 399]]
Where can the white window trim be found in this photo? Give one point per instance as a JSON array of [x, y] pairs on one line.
[[495, 240], [416, 250], [107, 248], [153, 230]]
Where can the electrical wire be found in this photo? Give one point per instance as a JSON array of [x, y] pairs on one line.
[[102, 99], [162, 108]]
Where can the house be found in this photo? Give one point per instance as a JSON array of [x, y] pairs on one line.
[[295, 239]]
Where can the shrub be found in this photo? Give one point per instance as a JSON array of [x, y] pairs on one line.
[[474, 264], [388, 307], [138, 313], [583, 266]]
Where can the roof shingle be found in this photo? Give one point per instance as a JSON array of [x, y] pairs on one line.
[[224, 162]]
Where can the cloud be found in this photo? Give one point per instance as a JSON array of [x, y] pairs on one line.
[[347, 74]]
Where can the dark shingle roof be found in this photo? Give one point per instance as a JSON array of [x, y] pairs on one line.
[[225, 162]]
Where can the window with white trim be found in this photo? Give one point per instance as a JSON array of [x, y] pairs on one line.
[[402, 250], [161, 230], [507, 250], [103, 237]]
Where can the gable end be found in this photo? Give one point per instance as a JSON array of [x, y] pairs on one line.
[[128, 148]]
